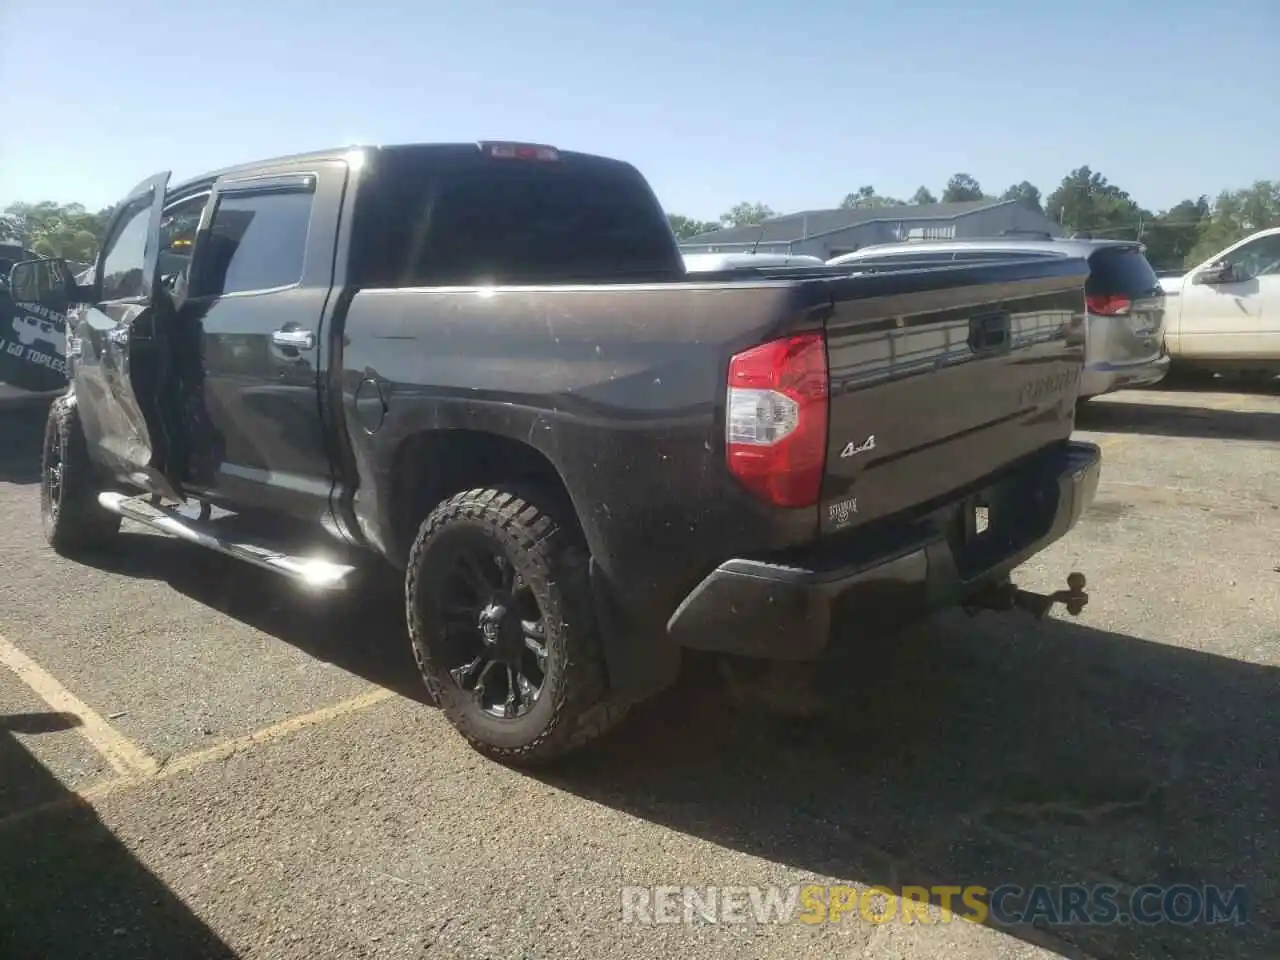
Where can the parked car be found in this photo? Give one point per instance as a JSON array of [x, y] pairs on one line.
[[717, 262], [1125, 305], [1224, 314], [482, 370]]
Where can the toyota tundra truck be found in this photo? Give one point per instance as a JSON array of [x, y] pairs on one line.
[[482, 371]]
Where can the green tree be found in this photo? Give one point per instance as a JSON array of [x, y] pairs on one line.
[[1026, 193], [962, 187], [686, 227], [867, 197], [1235, 215], [1085, 203], [922, 197], [56, 230], [744, 214], [1170, 236]]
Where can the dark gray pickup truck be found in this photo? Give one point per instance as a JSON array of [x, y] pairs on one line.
[[482, 368]]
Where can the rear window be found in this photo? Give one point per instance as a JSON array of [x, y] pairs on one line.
[[484, 221], [1121, 271]]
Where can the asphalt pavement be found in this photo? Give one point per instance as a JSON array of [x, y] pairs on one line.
[[198, 761]]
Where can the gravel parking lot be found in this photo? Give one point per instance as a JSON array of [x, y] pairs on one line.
[[195, 763]]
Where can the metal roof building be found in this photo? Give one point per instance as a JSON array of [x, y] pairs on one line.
[[829, 233]]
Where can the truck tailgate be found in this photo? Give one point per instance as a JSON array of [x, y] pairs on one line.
[[941, 377]]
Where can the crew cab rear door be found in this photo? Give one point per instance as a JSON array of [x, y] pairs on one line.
[[261, 276], [115, 398]]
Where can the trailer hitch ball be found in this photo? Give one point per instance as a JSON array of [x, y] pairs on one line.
[[1073, 598], [1006, 596]]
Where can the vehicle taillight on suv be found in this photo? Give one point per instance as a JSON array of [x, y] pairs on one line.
[[776, 419], [1121, 281], [1108, 305]]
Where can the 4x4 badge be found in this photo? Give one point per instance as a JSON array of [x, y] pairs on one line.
[[850, 449]]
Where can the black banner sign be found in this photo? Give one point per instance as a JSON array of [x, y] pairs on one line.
[[33, 345]]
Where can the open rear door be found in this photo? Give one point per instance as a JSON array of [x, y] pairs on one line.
[[122, 359]]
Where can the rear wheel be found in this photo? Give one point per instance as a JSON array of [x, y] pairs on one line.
[[69, 510], [504, 630]]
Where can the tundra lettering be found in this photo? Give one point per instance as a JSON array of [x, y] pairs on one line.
[[1049, 386]]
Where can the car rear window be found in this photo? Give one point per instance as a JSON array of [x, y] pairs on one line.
[[509, 222], [1121, 271]]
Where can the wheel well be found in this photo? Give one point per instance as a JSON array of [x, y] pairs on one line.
[[431, 467]]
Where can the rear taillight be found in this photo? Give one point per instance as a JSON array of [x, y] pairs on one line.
[[776, 419], [1108, 306]]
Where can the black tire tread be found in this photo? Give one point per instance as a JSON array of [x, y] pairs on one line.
[[81, 522], [584, 711]]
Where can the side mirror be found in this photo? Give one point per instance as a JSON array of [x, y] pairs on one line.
[[1220, 272], [46, 282]]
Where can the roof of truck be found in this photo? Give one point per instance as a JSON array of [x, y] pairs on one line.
[[339, 153]]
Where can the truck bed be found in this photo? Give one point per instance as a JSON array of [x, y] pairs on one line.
[[622, 389]]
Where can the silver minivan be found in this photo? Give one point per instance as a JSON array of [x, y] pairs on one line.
[[1125, 318]]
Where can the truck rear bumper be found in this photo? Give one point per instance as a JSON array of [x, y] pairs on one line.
[[889, 574]]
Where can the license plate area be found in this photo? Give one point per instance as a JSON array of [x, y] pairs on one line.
[[972, 521], [981, 519], [996, 522]]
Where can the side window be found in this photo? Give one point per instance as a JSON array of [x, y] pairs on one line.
[[122, 268], [256, 241], [178, 229], [1258, 259]]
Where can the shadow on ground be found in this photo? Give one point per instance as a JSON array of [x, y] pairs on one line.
[[21, 435], [68, 887], [984, 752], [361, 630], [1176, 420], [1192, 382], [989, 751]]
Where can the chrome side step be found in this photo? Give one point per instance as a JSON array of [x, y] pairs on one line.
[[312, 572]]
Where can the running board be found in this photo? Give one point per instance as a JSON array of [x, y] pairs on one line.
[[312, 572]]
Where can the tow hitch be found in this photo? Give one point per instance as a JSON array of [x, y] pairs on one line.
[[1006, 596]]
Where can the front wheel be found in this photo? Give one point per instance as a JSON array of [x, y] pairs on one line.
[[69, 510], [504, 630]]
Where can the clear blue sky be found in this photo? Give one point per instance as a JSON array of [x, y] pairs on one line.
[[794, 105]]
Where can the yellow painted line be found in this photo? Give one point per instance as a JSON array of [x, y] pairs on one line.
[[124, 756], [277, 731], [192, 761]]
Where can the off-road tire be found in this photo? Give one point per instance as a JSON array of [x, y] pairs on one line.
[[574, 707], [72, 518]]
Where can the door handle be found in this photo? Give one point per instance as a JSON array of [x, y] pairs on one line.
[[297, 339]]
